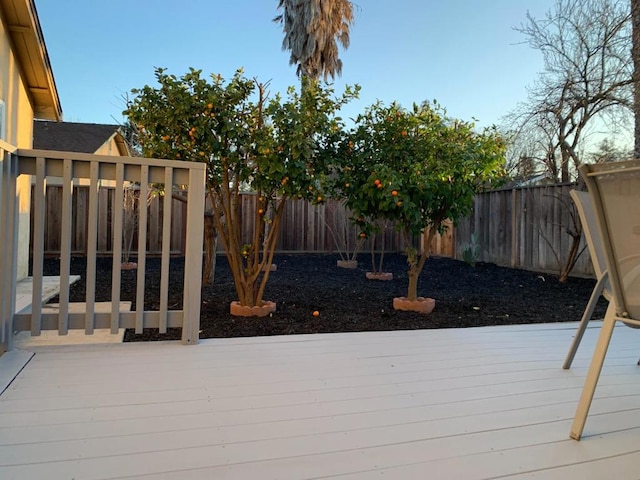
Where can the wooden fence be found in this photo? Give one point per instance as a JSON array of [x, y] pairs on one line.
[[106, 202], [523, 227], [519, 227], [304, 227]]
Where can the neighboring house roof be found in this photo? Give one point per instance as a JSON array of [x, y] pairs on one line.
[[76, 137], [23, 26]]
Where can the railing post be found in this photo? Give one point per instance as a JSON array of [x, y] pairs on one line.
[[193, 257], [9, 236]]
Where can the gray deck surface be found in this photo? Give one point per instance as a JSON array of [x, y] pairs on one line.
[[477, 403]]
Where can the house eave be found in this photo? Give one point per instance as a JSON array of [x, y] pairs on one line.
[[25, 33]]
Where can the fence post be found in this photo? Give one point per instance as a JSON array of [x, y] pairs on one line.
[[193, 257]]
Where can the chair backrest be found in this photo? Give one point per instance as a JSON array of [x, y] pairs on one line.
[[587, 215], [615, 192]]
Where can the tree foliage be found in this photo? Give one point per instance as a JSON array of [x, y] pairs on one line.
[[417, 168], [278, 148]]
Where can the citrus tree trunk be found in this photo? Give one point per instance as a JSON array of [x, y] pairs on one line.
[[416, 262], [412, 291]]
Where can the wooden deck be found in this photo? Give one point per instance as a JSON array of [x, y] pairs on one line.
[[476, 403]]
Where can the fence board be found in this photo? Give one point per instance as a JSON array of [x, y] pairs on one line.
[[104, 230]]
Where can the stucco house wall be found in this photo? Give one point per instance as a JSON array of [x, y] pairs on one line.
[[27, 90], [18, 130]]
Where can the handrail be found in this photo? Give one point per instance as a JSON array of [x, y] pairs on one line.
[[109, 164], [7, 146]]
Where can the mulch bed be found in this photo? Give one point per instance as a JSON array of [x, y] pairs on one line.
[[465, 296]]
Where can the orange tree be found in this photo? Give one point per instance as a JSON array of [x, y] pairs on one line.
[[277, 149], [417, 168]]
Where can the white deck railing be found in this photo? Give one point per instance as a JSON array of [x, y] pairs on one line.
[[70, 166]]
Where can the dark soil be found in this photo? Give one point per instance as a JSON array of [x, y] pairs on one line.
[[465, 296]]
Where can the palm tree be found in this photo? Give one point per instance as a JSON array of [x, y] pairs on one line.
[[312, 30]]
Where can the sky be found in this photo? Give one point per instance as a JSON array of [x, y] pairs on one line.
[[465, 54]]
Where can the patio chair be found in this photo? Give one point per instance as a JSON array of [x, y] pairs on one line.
[[615, 191], [584, 205]]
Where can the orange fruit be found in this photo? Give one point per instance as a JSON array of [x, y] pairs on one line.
[[394, 193], [376, 182], [209, 106], [399, 204], [166, 137], [404, 133], [316, 313], [319, 198], [380, 185], [260, 212], [363, 235]]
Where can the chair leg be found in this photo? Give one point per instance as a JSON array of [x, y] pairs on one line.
[[584, 321], [593, 374]]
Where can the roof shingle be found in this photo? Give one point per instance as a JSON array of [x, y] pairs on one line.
[[71, 137]]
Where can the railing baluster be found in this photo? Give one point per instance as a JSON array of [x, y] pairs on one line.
[[65, 247], [142, 245], [38, 245], [92, 242], [117, 216], [166, 246], [193, 258]]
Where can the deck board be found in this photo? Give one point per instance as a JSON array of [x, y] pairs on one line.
[[477, 403]]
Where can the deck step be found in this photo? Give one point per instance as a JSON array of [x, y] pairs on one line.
[[51, 337], [50, 288]]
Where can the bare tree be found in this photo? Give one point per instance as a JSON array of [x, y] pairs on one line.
[[312, 31], [635, 38], [586, 83], [586, 78]]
